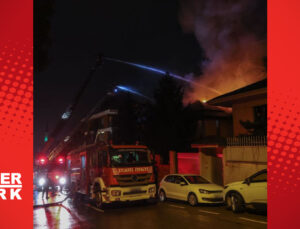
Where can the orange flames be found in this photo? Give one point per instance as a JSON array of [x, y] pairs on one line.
[[235, 51]]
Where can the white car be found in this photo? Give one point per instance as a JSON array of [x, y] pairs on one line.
[[192, 188], [251, 191]]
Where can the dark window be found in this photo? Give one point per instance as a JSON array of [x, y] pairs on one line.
[[170, 179], [126, 157], [260, 114], [196, 180], [218, 128], [179, 180], [262, 177]]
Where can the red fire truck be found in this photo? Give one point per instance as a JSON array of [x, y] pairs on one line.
[[55, 170], [110, 173]]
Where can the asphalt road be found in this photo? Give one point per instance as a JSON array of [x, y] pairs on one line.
[[171, 214]]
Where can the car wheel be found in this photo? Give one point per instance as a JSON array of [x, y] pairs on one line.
[[228, 202], [192, 199], [162, 196], [237, 203]]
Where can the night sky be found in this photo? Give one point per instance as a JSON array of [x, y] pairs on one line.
[[146, 32]]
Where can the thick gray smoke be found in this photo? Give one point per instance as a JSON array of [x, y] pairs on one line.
[[233, 36]]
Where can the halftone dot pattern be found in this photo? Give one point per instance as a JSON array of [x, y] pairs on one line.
[[284, 143], [16, 92]]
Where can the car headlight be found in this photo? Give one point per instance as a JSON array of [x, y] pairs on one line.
[[42, 181], [116, 193], [62, 180], [151, 190], [203, 191]]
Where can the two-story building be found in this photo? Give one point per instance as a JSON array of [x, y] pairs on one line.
[[227, 151], [246, 152]]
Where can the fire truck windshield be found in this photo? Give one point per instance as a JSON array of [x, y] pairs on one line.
[[129, 157]]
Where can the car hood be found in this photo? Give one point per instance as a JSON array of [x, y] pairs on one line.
[[209, 187]]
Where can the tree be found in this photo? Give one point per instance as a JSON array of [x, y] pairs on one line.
[[169, 124], [126, 129], [43, 11]]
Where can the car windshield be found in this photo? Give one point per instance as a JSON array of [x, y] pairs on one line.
[[196, 180], [129, 157]]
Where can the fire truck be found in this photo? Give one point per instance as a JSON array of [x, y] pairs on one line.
[[108, 173], [55, 170]]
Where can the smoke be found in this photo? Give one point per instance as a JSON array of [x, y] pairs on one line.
[[233, 35]]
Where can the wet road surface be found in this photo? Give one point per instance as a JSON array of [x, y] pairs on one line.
[[171, 214]]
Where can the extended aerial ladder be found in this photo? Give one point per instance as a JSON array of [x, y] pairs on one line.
[[71, 108]]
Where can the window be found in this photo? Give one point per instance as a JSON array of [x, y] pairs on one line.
[[260, 113], [179, 180], [196, 180], [125, 157], [170, 179], [218, 128], [262, 177], [83, 162]]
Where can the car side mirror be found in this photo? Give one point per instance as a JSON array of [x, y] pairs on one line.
[[247, 181], [182, 184]]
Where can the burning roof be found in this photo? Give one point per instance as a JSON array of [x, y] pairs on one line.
[[256, 89]]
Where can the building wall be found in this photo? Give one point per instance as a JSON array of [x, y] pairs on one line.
[[244, 111], [239, 162], [211, 168]]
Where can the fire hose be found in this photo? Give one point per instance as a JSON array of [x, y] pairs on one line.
[[51, 204]]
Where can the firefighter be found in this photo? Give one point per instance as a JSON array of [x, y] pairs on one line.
[[46, 187]]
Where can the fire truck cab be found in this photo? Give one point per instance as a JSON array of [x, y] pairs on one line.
[[109, 173], [55, 170]]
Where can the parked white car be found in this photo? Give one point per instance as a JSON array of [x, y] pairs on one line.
[[251, 191], [192, 188]]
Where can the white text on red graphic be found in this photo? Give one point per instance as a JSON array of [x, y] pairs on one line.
[[10, 186]]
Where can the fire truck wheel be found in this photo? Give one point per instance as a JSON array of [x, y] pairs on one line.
[[98, 195]]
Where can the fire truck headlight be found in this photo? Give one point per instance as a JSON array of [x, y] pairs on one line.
[[42, 181], [62, 180], [116, 193]]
